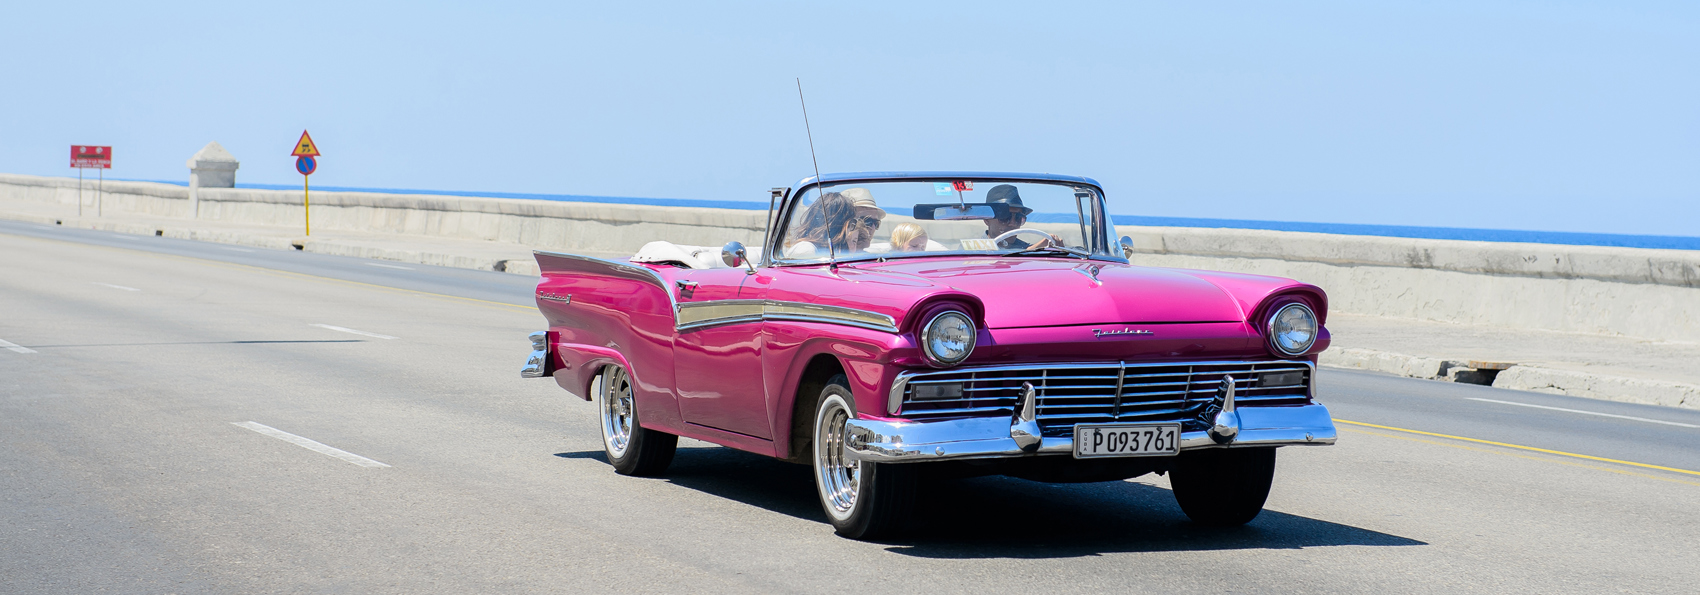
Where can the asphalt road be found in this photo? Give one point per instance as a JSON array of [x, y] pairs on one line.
[[123, 467]]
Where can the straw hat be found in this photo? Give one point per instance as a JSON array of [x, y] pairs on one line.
[[862, 199]]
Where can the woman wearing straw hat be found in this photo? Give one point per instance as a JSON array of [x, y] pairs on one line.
[[868, 216]]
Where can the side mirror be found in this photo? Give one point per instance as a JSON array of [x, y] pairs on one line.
[[734, 255], [1127, 247]]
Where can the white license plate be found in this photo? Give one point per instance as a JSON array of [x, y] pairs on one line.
[[1126, 440]]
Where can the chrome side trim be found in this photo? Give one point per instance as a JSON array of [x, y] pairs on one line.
[[837, 321], [699, 315], [695, 315], [989, 437], [806, 312]]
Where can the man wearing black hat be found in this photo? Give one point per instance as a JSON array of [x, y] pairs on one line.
[[1013, 218]]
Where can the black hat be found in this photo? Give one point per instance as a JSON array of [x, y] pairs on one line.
[[1006, 194]]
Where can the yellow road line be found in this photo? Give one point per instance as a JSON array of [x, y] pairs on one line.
[[1529, 457], [283, 273], [1521, 447]]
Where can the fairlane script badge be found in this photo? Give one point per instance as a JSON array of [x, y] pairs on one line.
[[1101, 333], [556, 297]]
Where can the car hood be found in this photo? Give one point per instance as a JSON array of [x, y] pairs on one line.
[[1031, 292]]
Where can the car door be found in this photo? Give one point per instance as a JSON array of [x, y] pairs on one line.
[[717, 353]]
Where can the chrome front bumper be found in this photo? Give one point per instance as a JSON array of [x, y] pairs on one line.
[[992, 437]]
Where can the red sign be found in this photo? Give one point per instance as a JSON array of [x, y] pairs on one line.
[[963, 185], [84, 157]]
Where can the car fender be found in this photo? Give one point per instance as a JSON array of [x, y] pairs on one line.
[[863, 355]]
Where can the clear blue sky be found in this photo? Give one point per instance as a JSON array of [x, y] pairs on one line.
[[1553, 115]]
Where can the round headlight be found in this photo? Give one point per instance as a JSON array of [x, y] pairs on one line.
[[1292, 330], [948, 338]]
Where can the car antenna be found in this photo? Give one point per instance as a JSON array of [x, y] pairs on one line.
[[831, 252]]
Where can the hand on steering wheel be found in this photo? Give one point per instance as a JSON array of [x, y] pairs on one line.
[[1047, 241]]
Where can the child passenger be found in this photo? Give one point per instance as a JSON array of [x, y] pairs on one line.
[[908, 237]]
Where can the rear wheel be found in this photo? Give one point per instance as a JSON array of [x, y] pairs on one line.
[[862, 500], [632, 449], [1223, 487]]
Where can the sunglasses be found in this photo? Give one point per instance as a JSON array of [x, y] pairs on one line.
[[1013, 215], [870, 223]]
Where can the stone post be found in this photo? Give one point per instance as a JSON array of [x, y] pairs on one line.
[[212, 167]]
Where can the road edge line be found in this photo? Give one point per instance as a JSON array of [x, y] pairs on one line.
[[1521, 447]]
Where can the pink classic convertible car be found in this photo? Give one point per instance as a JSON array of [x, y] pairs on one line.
[[891, 324]]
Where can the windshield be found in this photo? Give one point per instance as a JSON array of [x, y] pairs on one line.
[[850, 220]]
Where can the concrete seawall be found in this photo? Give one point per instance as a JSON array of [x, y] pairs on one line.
[[1651, 294], [542, 224]]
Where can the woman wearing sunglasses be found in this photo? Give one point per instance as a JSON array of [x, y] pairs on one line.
[[868, 216]]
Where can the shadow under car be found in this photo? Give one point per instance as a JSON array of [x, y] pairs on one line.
[[1003, 517]]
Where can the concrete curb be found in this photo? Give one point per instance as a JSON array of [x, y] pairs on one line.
[[1599, 386], [1519, 377]]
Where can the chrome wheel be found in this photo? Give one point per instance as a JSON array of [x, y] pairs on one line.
[[836, 476], [615, 401], [863, 500]]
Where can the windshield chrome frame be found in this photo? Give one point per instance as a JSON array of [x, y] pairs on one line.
[[782, 219]]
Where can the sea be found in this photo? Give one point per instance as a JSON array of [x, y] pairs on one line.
[[1357, 229]]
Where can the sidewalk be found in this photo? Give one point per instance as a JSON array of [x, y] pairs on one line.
[[1582, 365], [1592, 366]]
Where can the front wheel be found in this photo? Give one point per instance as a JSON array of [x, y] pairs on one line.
[[862, 500], [1223, 487], [631, 449]]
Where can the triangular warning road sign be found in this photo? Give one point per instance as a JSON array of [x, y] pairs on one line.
[[305, 147]]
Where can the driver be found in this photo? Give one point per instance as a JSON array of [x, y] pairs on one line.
[[1013, 218]]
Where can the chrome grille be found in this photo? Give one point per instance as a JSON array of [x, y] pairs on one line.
[[1069, 394]]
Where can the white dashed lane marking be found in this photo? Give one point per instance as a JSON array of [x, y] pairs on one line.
[[1631, 418], [10, 346], [388, 266], [352, 331], [116, 286], [308, 444]]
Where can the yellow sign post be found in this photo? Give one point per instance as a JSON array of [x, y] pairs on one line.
[[306, 161]]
